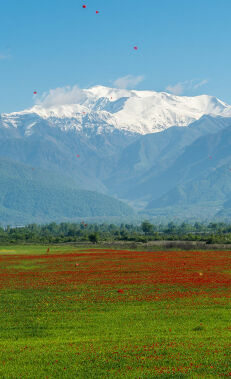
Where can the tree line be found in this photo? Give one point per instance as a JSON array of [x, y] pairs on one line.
[[144, 232]]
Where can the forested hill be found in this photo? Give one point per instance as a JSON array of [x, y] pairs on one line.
[[30, 194]]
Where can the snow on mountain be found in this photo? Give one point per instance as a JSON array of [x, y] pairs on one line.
[[133, 111]]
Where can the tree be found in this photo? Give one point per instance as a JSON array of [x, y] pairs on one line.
[[94, 237], [124, 235], [171, 228], [147, 227]]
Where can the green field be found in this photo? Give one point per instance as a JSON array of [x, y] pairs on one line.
[[72, 313]]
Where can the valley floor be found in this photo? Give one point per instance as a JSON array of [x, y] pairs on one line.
[[91, 312]]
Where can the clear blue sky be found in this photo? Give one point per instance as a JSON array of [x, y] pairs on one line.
[[54, 43]]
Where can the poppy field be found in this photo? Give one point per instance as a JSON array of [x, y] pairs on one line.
[[95, 313]]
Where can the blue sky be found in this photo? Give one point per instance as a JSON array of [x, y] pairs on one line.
[[183, 47]]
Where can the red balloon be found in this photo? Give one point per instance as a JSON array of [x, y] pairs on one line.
[[135, 47], [35, 93], [77, 155], [84, 6], [97, 12]]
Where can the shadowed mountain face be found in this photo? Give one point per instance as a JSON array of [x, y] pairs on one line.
[[166, 171], [200, 175], [80, 155], [152, 165]]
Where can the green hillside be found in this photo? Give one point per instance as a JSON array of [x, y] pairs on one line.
[[33, 195]]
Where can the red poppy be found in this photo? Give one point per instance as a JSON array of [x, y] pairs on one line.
[[120, 291]]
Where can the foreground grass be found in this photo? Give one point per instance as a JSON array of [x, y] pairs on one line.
[[59, 320]]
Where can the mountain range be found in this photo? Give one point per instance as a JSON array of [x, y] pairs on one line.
[[152, 154]]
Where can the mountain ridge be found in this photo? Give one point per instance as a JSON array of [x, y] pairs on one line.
[[144, 170], [139, 112]]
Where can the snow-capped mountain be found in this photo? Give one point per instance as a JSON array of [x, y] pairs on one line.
[[106, 140], [107, 109]]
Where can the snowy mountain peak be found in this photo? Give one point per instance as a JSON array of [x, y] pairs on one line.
[[140, 112]]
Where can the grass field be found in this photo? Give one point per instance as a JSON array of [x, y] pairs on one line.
[[72, 313]]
